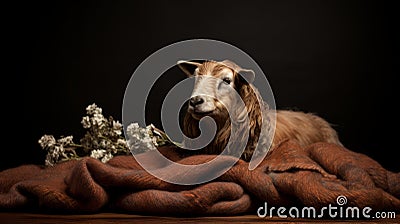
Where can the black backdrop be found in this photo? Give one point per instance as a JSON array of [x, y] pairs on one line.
[[334, 58]]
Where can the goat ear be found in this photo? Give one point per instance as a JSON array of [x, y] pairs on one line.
[[246, 74], [188, 67]]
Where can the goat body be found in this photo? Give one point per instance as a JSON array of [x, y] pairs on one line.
[[216, 83]]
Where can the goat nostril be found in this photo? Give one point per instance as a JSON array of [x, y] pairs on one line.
[[196, 101], [200, 101]]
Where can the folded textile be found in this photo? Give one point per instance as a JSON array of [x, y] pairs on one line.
[[290, 175]]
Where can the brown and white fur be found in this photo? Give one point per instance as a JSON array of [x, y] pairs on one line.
[[213, 96]]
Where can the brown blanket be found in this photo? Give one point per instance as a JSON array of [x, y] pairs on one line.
[[289, 176]]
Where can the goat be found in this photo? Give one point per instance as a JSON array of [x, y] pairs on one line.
[[211, 97]]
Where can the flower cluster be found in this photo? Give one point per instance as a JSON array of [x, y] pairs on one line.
[[103, 135], [103, 139], [144, 139], [139, 138], [57, 150]]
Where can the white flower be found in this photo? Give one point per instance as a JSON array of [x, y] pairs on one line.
[[93, 109], [139, 139], [117, 127], [121, 142], [97, 154], [86, 122], [58, 149], [47, 141], [154, 140], [99, 120], [107, 157], [133, 128], [66, 140], [113, 149]]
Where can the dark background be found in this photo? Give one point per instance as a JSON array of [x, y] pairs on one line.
[[335, 58]]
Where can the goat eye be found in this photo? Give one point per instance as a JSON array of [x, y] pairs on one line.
[[227, 80]]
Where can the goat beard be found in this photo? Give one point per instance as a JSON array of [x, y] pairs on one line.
[[251, 98], [191, 123], [234, 142], [192, 130]]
